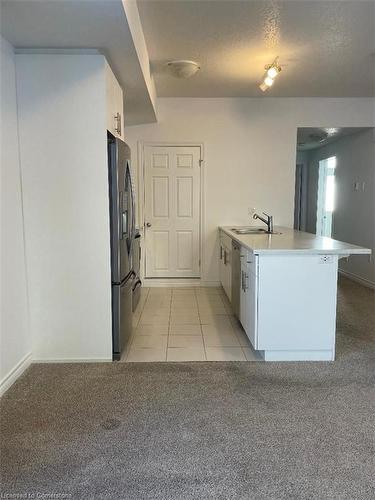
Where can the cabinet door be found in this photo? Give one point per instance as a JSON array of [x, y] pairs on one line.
[[252, 316], [119, 111], [243, 297], [248, 303], [228, 272], [115, 104], [222, 266]]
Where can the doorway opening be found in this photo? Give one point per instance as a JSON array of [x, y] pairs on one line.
[[334, 185]]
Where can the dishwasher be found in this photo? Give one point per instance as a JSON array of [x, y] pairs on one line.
[[236, 277]]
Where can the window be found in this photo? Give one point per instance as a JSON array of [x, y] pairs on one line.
[[326, 196]]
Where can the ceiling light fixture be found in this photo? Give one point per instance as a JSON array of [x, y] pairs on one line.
[[272, 70], [183, 68], [268, 81]]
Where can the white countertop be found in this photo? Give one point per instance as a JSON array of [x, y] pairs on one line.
[[291, 241]]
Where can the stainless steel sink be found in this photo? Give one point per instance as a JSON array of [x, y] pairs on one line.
[[251, 230], [248, 230]]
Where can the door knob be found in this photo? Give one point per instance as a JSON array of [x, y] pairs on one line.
[[148, 224]]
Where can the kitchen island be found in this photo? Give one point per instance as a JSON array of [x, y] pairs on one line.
[[283, 288]]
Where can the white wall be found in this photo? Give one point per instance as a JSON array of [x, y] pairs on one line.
[[354, 215], [250, 151], [135, 26], [61, 100], [15, 341]]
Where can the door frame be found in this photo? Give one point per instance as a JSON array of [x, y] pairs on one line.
[[300, 197], [170, 282]]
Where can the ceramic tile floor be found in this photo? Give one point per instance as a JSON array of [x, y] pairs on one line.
[[187, 324]]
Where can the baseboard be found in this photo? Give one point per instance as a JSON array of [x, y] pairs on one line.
[[210, 283], [358, 279], [72, 360], [16, 372], [180, 283], [323, 355]]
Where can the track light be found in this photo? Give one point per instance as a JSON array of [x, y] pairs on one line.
[[268, 81], [272, 70]]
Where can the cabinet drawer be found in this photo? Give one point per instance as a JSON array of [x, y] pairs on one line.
[[252, 261]]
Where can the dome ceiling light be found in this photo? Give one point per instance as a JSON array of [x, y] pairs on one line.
[[272, 70], [183, 68]]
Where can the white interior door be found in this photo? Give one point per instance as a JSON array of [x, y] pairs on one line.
[[172, 211]]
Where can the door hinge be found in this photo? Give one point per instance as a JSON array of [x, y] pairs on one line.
[[199, 262], [200, 162]]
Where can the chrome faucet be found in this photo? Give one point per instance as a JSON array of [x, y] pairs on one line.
[[268, 221]]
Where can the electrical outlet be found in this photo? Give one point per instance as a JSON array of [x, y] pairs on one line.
[[325, 259], [251, 211]]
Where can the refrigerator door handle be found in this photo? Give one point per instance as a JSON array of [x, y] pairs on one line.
[[121, 215], [137, 284], [130, 208], [133, 207], [124, 223]]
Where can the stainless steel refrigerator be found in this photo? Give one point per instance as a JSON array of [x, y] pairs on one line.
[[122, 223]]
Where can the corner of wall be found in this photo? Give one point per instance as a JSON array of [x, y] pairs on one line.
[[16, 344]]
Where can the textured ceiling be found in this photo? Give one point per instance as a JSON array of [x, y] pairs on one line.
[[82, 24], [316, 137], [326, 48]]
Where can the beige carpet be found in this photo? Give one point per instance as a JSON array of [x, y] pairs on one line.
[[221, 430]]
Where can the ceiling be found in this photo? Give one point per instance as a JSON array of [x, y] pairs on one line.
[[326, 48], [82, 24], [315, 137]]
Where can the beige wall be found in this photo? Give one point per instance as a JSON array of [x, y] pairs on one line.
[[250, 151], [62, 127]]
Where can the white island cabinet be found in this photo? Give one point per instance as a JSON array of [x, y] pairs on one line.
[[288, 290]]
